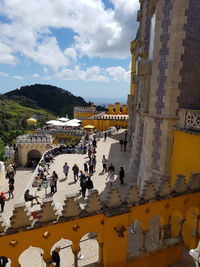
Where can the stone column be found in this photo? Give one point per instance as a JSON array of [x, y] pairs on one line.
[[180, 235], [195, 232], [143, 248], [100, 261]]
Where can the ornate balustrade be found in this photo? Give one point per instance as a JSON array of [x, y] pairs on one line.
[[189, 119], [61, 131], [137, 226]]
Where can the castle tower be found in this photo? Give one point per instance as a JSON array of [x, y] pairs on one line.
[[167, 79]]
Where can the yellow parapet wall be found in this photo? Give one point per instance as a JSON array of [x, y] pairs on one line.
[[186, 153], [112, 226]]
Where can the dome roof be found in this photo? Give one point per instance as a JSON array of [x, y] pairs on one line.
[[31, 121]]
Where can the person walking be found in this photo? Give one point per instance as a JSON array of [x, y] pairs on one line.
[[2, 201], [85, 168], [121, 175], [10, 191], [105, 136], [121, 142], [110, 177], [104, 163], [65, 169], [94, 163], [52, 184], [55, 257], [83, 184], [55, 178], [125, 144], [75, 170], [89, 184], [111, 168]]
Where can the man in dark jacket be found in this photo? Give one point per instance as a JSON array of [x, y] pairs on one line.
[[55, 257]]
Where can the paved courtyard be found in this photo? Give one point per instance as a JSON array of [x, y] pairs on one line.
[[89, 247]]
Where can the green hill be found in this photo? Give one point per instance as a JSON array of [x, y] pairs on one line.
[[54, 99], [13, 118]]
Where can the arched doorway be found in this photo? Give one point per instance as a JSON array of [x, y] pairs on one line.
[[31, 257], [33, 157], [66, 254]]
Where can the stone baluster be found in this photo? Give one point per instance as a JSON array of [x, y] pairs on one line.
[[143, 247], [195, 232], [180, 235], [163, 231]]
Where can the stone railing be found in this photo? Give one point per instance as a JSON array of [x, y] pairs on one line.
[[189, 119], [36, 138], [84, 109], [61, 131], [96, 215]]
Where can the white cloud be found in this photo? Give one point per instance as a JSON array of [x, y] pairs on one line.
[[6, 54], [18, 77], [98, 31], [94, 74], [118, 74], [36, 75], [3, 74]]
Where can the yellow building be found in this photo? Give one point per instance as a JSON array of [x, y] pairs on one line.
[[116, 116]]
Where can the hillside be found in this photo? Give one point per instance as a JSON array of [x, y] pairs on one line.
[[13, 118], [54, 99]]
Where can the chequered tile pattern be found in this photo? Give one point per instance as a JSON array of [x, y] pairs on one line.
[[156, 144], [139, 146], [164, 51], [147, 26], [190, 84]]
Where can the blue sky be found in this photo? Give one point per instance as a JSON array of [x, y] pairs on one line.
[[81, 46]]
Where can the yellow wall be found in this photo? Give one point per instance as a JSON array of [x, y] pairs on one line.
[[114, 247], [83, 114], [103, 125], [186, 154]]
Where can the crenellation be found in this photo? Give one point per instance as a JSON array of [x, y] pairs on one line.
[[48, 212], [148, 192], [71, 207], [180, 185], [21, 218], [94, 204]]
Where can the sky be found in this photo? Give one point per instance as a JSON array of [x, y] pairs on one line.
[[81, 46]]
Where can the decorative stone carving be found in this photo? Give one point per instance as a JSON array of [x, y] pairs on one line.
[[48, 211], [93, 202], [149, 191], [71, 207], [164, 187], [133, 194], [114, 199], [20, 217], [194, 182], [180, 185]]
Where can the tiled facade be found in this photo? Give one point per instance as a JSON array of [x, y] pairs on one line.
[[190, 72], [172, 84]]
